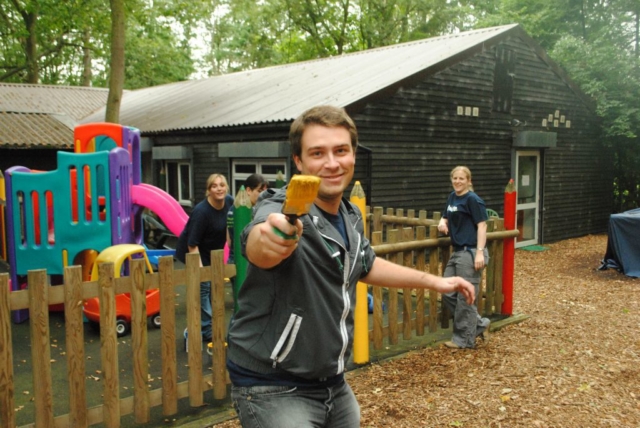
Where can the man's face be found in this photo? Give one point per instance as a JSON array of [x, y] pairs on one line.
[[327, 153], [255, 193]]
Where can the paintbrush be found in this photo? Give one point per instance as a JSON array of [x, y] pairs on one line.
[[301, 192]]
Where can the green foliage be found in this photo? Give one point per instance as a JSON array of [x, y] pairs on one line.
[[247, 34], [597, 44], [67, 33], [611, 75]]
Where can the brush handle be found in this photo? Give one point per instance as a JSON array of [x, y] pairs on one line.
[[292, 220]]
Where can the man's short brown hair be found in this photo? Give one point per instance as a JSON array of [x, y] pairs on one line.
[[329, 116]]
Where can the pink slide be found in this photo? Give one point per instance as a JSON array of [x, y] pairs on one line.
[[163, 204]]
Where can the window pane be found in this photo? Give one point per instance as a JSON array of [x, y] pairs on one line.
[[172, 179], [245, 168], [527, 179], [526, 225], [185, 181], [272, 169]]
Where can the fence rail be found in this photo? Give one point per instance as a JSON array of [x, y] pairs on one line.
[[416, 243]]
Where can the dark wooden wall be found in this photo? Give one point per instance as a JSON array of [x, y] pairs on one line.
[[417, 138]]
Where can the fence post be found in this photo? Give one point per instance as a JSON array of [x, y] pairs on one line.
[[499, 264], [168, 332], [389, 225], [109, 346], [421, 234], [7, 403], [489, 278], [377, 221], [376, 239], [194, 327], [445, 256], [392, 319], [40, 346], [75, 346], [218, 325], [407, 260], [434, 259], [139, 342]]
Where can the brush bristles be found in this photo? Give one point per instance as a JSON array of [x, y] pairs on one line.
[[301, 192]]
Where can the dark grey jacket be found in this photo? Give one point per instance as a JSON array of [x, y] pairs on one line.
[[297, 317]]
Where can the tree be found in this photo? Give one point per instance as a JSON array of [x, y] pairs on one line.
[[46, 41], [597, 43], [611, 76], [116, 66], [245, 34]]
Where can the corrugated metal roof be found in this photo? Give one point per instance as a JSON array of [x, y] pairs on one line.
[[281, 93], [74, 101], [44, 115], [25, 130]]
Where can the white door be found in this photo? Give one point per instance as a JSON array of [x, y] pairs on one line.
[[528, 187]]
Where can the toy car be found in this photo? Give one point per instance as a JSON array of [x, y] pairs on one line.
[[118, 255]]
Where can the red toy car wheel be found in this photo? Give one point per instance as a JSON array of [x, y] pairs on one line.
[[122, 328]]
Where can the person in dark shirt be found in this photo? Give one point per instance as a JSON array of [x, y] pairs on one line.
[[465, 220], [205, 231]]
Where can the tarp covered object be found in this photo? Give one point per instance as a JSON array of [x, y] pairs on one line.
[[623, 245]]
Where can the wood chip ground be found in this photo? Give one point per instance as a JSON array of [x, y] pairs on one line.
[[574, 363]]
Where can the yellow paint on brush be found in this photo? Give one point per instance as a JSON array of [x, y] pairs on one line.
[[301, 192]]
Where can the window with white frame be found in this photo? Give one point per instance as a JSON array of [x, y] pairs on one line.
[[178, 181], [243, 168]]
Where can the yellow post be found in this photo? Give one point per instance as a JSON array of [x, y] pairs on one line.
[[361, 313]]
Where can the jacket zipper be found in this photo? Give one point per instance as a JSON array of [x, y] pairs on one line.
[[347, 270]]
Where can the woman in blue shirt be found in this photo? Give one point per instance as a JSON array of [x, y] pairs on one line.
[[465, 220]]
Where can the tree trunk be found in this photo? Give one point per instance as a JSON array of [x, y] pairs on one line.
[[86, 58], [31, 45], [116, 77]]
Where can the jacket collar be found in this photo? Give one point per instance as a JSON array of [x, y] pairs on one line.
[[349, 216]]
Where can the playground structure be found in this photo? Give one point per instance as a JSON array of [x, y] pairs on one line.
[[76, 214]]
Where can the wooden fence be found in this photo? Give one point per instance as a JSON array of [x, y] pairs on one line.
[[407, 240], [414, 241], [40, 295]]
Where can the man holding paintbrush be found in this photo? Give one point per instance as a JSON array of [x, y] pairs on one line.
[[292, 336]]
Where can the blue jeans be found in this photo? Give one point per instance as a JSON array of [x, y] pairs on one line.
[[467, 323], [291, 407], [205, 310]]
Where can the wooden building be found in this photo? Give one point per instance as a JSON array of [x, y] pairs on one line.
[[490, 99]]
